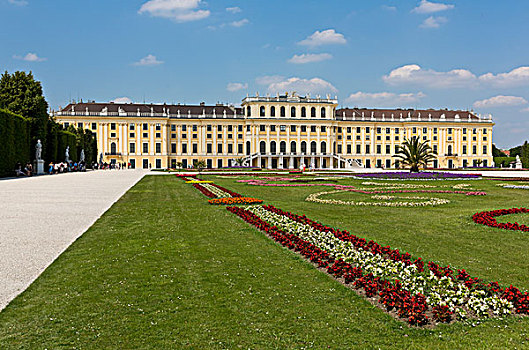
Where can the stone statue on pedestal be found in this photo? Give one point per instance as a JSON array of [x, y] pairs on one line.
[[38, 150], [81, 158], [518, 162], [67, 154]]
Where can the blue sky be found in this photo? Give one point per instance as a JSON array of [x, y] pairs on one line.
[[417, 53]]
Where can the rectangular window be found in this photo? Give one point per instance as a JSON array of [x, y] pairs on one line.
[[396, 130], [282, 128], [208, 128], [358, 130], [434, 131], [248, 128], [132, 135], [323, 128], [379, 130], [396, 149], [449, 131], [195, 148], [272, 128], [219, 136], [195, 136], [112, 126], [145, 148], [339, 149], [367, 130], [464, 149], [349, 149], [379, 149], [239, 148], [239, 128], [145, 126], [435, 149], [173, 128], [262, 128], [209, 148], [367, 149], [414, 130], [94, 126], [132, 148], [474, 149], [208, 136], [358, 149], [219, 127], [292, 128], [464, 131], [230, 136], [158, 127], [474, 131], [184, 136], [230, 148], [184, 148], [339, 129], [173, 147], [219, 148], [66, 125], [184, 128], [484, 149], [303, 128], [313, 128], [484, 131], [388, 149], [424, 130], [158, 135], [158, 148], [79, 125], [349, 129], [195, 128], [230, 128]]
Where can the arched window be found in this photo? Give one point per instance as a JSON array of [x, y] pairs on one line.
[[322, 113], [303, 147], [293, 112], [313, 112], [293, 147], [323, 147], [262, 111], [113, 148], [248, 147], [303, 112], [273, 147], [248, 111], [313, 147], [283, 147], [283, 111], [272, 111], [262, 147]]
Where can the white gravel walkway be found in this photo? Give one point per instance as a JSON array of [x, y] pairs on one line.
[[41, 216]]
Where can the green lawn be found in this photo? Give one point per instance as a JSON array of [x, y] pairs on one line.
[[163, 269]]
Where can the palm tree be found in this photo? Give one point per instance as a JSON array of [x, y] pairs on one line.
[[414, 154], [200, 165], [239, 161]]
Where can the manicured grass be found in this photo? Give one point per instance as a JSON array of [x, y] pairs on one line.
[[164, 269], [522, 219]]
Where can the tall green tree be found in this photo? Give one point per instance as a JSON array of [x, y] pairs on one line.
[[20, 93], [524, 157], [414, 153]]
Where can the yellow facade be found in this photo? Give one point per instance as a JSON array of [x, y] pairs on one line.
[[280, 132]]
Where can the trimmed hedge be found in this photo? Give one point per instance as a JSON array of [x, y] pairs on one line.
[[503, 160], [15, 142]]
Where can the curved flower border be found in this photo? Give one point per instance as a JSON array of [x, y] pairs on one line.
[[488, 218], [315, 197]]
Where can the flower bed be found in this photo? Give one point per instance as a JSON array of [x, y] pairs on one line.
[[417, 176], [198, 182], [390, 200], [208, 188], [235, 201], [514, 187], [416, 291], [488, 218]]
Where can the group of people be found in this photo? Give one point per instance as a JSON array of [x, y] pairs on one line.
[[26, 171], [111, 166], [65, 167]]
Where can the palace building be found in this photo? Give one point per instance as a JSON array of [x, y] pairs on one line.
[[281, 132]]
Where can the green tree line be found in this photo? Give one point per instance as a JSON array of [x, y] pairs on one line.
[[24, 119]]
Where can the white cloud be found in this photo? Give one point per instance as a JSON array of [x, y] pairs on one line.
[[234, 9], [426, 6], [239, 23], [500, 101], [149, 60], [414, 74], [325, 37], [302, 86], [433, 22], [383, 99], [389, 8], [269, 79], [236, 86], [18, 2], [122, 100], [309, 58], [30, 57], [178, 10], [517, 76]]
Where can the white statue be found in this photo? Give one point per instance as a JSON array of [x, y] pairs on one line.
[[67, 154], [38, 150], [81, 157], [518, 163]]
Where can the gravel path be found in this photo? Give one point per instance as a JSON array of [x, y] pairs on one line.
[[41, 216]]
